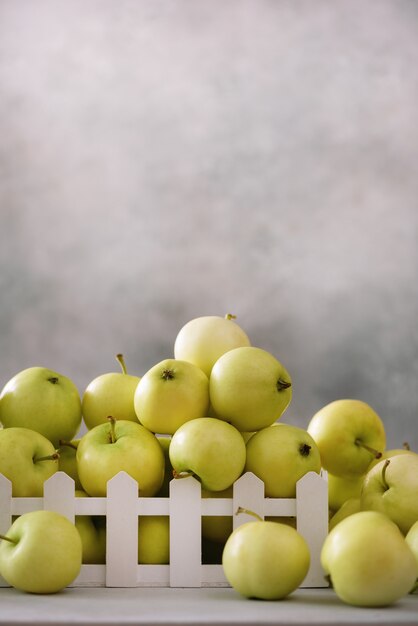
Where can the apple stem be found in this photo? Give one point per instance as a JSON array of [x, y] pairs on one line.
[[230, 316], [112, 428], [119, 357], [49, 457], [406, 445], [68, 444], [53, 380], [8, 539], [282, 384], [373, 451], [241, 509], [384, 468], [184, 474]]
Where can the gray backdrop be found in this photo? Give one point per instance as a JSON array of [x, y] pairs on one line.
[[165, 159]]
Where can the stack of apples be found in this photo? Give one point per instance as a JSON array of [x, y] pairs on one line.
[[370, 553], [210, 412]]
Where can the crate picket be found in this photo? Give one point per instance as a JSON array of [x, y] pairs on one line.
[[185, 508]]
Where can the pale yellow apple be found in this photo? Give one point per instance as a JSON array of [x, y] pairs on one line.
[[349, 435], [391, 487], [110, 394], [249, 388], [204, 339], [265, 560], [280, 455], [211, 450], [169, 394], [368, 560]]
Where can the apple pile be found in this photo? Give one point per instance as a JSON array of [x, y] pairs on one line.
[[370, 553], [210, 412]]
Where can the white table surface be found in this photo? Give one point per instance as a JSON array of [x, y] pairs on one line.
[[200, 607]]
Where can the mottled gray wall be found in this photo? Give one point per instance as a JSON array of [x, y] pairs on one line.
[[164, 159]]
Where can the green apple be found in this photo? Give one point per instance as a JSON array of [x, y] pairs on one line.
[[266, 560], [169, 394], [41, 553], [153, 539], [211, 450], [110, 394], [67, 461], [368, 560], [118, 446], [349, 435], [27, 459], [280, 455], [350, 506], [249, 388], [391, 487], [412, 541], [92, 529], [341, 489], [217, 528], [42, 400], [204, 339]]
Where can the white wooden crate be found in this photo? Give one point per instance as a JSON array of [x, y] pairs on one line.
[[185, 506]]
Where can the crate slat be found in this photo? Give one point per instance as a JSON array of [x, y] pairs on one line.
[[185, 533]]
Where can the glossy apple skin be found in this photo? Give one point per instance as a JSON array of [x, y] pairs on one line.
[[393, 491], [204, 339], [135, 451], [19, 449], [211, 449], [109, 394], [47, 556], [43, 400], [169, 394], [368, 560], [266, 560], [338, 428], [274, 455], [249, 388]]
